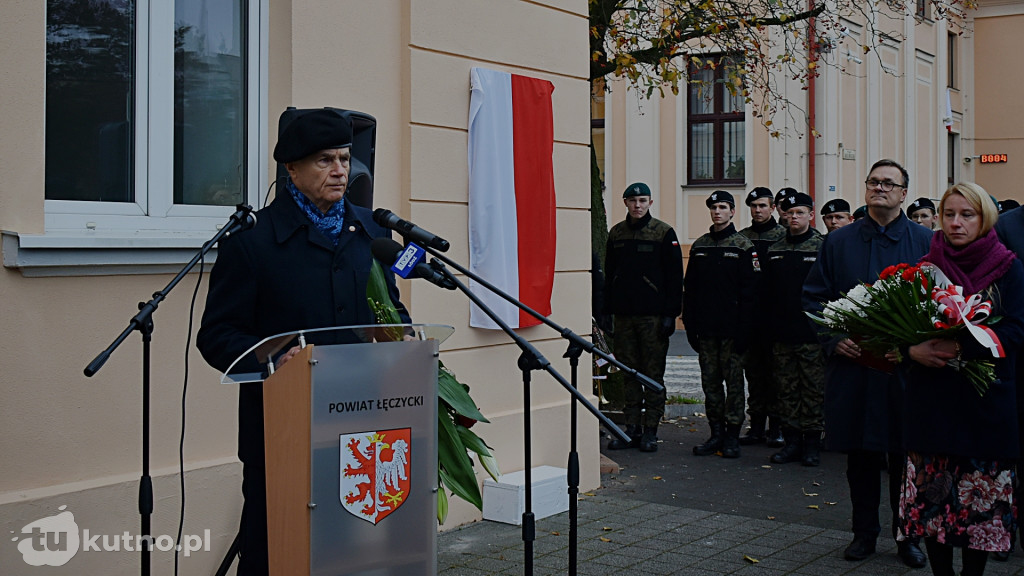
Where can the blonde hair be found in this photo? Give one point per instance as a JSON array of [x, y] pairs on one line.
[[978, 199]]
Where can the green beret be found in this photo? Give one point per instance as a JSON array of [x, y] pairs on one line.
[[636, 189]]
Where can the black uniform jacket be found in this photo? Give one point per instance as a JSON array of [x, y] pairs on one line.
[[720, 285]]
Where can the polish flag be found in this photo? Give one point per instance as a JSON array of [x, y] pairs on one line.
[[511, 194]]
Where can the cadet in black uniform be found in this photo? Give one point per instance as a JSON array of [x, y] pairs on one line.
[[836, 214], [799, 362], [718, 306], [762, 394], [643, 292]]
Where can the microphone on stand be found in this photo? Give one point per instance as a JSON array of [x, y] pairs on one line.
[[406, 262], [408, 230]]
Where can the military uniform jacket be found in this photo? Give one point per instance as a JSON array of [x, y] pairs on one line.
[[643, 269], [862, 406], [784, 267], [718, 298], [764, 235]]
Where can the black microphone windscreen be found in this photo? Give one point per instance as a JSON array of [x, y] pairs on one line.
[[380, 216], [385, 250]]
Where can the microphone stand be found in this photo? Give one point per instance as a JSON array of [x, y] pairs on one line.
[[576, 346], [530, 359], [143, 322]]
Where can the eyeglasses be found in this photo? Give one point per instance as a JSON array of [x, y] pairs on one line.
[[885, 185]]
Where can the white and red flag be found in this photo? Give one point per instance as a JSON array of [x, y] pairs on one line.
[[511, 194]]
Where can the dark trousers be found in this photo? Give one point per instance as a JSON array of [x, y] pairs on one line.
[[864, 474], [253, 531]]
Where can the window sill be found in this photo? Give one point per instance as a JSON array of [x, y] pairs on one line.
[[55, 255]]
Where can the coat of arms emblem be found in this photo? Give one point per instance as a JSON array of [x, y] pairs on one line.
[[375, 472]]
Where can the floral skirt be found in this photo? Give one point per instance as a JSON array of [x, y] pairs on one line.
[[962, 502]]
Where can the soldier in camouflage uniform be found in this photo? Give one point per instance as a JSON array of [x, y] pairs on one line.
[[836, 214], [783, 193], [643, 292], [762, 394], [799, 360], [718, 305]]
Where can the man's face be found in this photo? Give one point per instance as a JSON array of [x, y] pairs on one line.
[[875, 196], [799, 219], [836, 220], [322, 176], [783, 216], [721, 213], [761, 210], [638, 206], [925, 218]]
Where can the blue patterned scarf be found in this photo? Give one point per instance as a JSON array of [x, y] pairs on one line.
[[330, 224]]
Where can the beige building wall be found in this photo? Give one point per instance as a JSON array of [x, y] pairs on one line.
[[998, 83], [74, 441], [889, 104]]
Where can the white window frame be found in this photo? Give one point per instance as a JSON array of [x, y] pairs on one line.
[[153, 220]]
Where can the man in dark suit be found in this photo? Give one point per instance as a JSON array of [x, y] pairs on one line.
[[304, 265], [862, 405]]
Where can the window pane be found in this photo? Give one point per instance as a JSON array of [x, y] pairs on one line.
[[701, 101], [733, 150], [90, 49], [209, 102], [702, 151]]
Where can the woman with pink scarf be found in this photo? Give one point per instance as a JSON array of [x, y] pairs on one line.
[[961, 446]]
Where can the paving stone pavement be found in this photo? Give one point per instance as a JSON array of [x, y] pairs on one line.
[[672, 513]]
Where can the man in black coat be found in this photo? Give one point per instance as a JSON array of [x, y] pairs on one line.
[[862, 405], [304, 265]]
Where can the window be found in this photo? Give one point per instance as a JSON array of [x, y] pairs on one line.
[[952, 158], [951, 57], [921, 9], [715, 124], [152, 114]]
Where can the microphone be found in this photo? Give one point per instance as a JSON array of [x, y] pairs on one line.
[[387, 252], [408, 230], [243, 219]]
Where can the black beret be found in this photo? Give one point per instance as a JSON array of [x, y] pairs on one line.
[[837, 205], [720, 196], [860, 212], [1007, 205], [636, 189], [920, 204], [797, 199], [312, 132], [783, 193], [757, 193]]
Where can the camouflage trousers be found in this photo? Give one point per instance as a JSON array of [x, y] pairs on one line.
[[718, 364], [762, 388], [800, 372], [638, 345]]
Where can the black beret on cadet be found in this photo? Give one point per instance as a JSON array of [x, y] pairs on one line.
[[783, 193], [837, 205], [921, 204], [757, 193], [720, 196], [310, 133], [798, 199]]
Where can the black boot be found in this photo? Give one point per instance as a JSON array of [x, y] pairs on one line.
[[755, 434], [634, 432], [774, 436], [811, 448], [731, 443], [713, 444], [649, 439], [791, 451]]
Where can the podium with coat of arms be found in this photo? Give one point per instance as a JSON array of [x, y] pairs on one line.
[[350, 432]]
